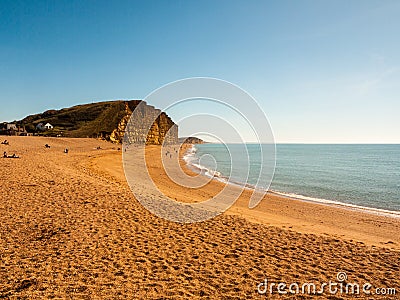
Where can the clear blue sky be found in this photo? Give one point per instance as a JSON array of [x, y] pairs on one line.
[[323, 71]]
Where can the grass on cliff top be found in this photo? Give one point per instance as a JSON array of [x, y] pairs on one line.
[[86, 120]]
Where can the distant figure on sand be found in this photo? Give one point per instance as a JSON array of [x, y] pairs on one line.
[[47, 146], [10, 156], [66, 151], [5, 142]]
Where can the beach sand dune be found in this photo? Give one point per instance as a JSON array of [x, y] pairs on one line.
[[71, 228]]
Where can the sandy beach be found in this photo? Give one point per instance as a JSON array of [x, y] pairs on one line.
[[70, 227]]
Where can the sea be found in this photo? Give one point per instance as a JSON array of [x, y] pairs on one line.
[[357, 176]]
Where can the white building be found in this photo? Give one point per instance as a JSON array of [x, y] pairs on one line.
[[48, 126], [12, 127]]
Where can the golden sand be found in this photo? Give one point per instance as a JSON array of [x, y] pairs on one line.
[[71, 228]]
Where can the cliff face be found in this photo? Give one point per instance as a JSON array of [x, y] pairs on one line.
[[107, 120], [190, 140], [118, 133], [142, 129], [154, 133]]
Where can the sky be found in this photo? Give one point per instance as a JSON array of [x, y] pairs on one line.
[[322, 71]]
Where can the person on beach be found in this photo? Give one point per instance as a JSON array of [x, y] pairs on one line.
[[10, 156], [66, 151], [47, 146]]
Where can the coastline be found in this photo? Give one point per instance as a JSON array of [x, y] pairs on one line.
[[343, 221], [71, 228], [333, 203]]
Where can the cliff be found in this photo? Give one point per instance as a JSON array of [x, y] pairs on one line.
[[190, 140], [142, 129], [106, 120]]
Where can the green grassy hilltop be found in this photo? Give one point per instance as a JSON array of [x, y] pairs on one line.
[[87, 120]]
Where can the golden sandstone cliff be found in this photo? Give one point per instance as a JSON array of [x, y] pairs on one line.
[[143, 129]]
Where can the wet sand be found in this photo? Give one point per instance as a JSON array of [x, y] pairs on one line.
[[70, 227]]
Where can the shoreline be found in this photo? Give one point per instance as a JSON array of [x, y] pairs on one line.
[[320, 201], [337, 204], [310, 217]]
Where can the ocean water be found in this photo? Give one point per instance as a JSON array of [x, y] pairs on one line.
[[355, 175]]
